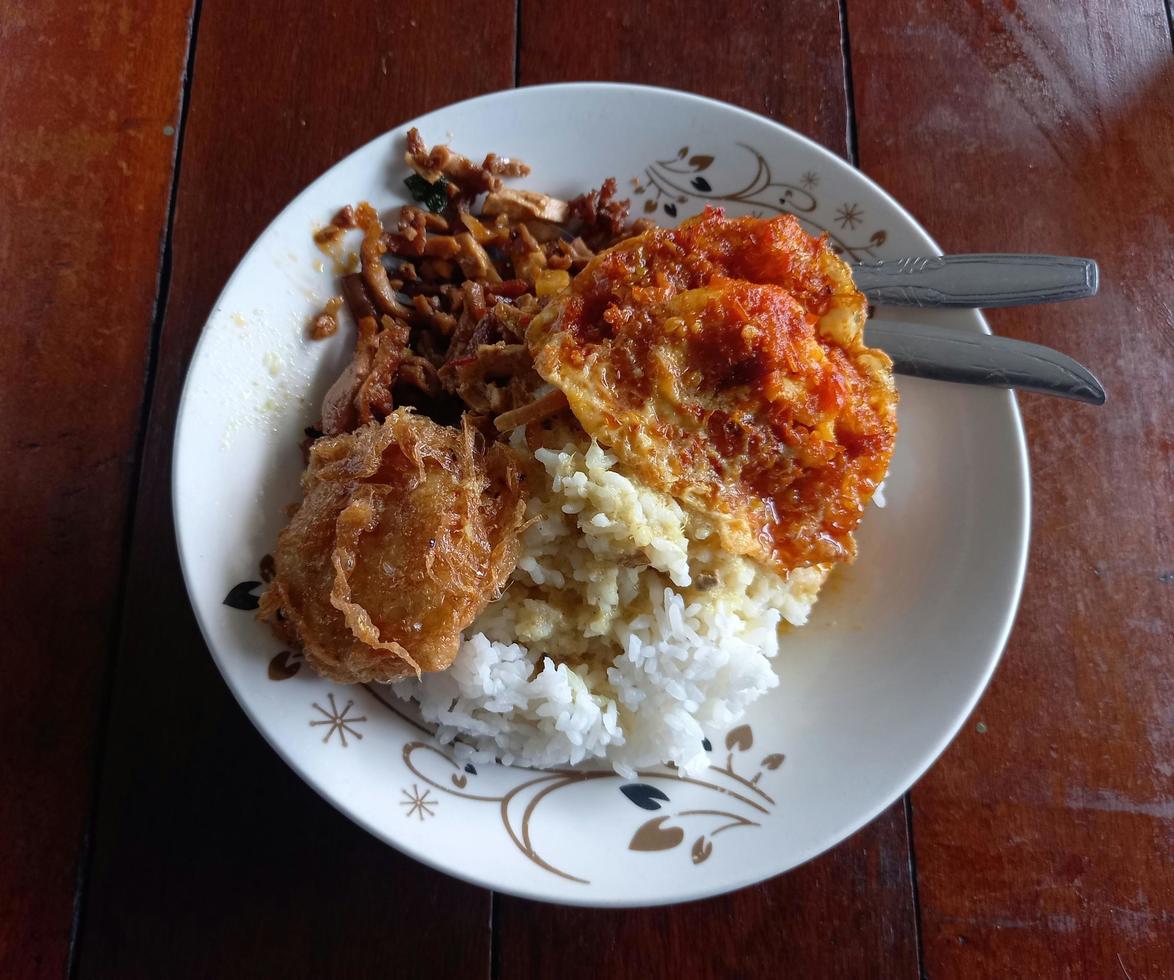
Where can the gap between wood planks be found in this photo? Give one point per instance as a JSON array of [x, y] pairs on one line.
[[162, 290], [854, 159], [849, 94], [497, 944]]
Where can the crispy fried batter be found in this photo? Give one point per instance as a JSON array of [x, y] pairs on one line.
[[406, 531], [724, 362]]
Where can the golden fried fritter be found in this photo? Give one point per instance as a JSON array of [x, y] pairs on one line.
[[724, 362], [406, 530]]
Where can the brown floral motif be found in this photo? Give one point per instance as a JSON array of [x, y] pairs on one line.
[[740, 738], [654, 836], [674, 181], [733, 789], [659, 835], [517, 805], [546, 781], [340, 722], [849, 215], [419, 804]]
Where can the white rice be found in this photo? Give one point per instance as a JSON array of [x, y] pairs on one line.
[[626, 634]]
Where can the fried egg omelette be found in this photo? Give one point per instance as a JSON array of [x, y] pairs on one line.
[[724, 363]]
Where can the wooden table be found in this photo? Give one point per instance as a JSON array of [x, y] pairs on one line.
[[146, 829]]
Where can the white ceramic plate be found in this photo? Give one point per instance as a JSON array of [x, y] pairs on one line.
[[899, 650]]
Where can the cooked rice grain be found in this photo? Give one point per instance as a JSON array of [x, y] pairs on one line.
[[626, 634]]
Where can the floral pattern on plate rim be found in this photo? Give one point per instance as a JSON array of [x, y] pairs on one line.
[[741, 801], [682, 178]]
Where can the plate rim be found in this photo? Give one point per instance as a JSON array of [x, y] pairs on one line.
[[920, 766]]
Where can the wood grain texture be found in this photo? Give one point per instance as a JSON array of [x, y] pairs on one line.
[[211, 858], [85, 176], [1045, 836], [783, 60], [846, 914], [850, 912]]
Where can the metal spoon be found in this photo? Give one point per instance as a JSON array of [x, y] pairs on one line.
[[945, 354], [976, 280]]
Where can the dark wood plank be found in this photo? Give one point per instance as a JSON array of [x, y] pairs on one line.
[[846, 914], [211, 858], [782, 60], [85, 176], [1044, 837], [849, 913]]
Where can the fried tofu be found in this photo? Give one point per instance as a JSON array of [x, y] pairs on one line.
[[407, 529]]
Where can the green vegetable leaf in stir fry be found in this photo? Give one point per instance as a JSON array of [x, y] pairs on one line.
[[433, 196]]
